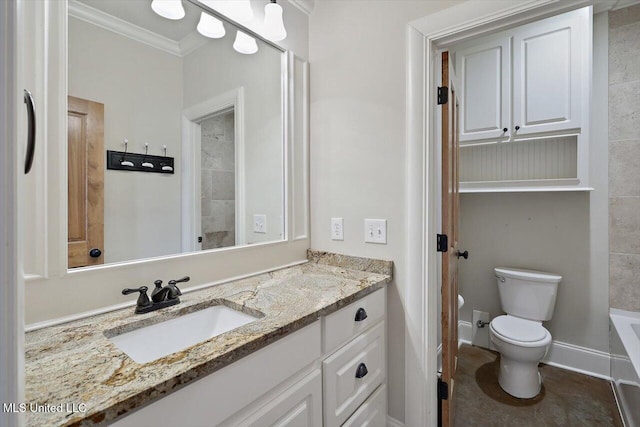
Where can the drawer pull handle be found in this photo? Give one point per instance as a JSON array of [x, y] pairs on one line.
[[361, 314], [361, 371]]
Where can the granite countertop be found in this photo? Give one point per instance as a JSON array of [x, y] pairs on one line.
[[74, 363]]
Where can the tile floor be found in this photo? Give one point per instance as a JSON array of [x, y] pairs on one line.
[[567, 398]]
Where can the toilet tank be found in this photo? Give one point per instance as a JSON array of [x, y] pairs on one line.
[[527, 293]]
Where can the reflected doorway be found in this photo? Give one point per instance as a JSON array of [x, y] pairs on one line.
[[217, 174]]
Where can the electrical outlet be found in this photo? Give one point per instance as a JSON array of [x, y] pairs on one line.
[[337, 229], [480, 335], [375, 231], [260, 223]]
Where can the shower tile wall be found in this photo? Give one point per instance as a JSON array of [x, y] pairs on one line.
[[218, 181], [624, 158]]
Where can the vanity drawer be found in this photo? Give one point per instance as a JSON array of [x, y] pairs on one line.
[[341, 326], [352, 373], [373, 412]]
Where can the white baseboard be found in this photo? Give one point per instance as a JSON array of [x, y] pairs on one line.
[[572, 357], [392, 422], [583, 360]]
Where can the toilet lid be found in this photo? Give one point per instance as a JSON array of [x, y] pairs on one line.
[[518, 329]]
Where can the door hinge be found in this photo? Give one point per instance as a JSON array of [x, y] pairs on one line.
[[443, 390], [443, 394], [443, 95], [443, 243]]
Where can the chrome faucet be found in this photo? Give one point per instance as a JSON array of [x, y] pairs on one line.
[[160, 297]]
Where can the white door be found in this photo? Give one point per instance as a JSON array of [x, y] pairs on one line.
[[547, 76], [485, 90]]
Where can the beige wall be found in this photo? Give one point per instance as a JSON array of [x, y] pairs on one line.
[[358, 156], [624, 158], [141, 89]]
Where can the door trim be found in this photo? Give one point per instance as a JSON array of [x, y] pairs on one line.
[[424, 37], [12, 135], [190, 164]]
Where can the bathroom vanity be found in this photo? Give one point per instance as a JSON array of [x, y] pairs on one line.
[[316, 351]]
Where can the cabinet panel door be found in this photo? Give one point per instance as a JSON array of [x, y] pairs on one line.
[[548, 72], [299, 406], [485, 88]]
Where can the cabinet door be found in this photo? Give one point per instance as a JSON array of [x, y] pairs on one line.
[[298, 406], [548, 71], [485, 87]]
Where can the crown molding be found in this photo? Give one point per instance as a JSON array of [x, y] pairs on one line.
[[305, 6], [191, 42], [109, 22]]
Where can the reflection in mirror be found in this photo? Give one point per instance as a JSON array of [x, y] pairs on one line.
[[205, 120]]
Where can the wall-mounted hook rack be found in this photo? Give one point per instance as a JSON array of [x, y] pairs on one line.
[[158, 164]]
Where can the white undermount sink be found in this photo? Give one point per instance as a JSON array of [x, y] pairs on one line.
[[162, 339]]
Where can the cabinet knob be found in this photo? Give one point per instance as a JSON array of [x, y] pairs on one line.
[[517, 128], [464, 254], [361, 314], [504, 130], [362, 371]]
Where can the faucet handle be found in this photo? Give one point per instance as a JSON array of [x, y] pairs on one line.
[[143, 299], [184, 279]]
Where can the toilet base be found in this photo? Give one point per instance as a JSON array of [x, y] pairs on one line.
[[519, 379]]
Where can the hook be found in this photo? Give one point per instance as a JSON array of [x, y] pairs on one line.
[[165, 167], [124, 162], [144, 160]]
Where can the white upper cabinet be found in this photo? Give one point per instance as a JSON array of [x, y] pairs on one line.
[[547, 75], [484, 71], [534, 72], [524, 106]]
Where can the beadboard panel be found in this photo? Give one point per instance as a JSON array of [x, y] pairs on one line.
[[549, 158]]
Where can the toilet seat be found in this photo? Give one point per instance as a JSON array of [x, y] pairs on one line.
[[520, 332]]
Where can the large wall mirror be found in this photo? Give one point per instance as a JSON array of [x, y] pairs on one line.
[[175, 138]]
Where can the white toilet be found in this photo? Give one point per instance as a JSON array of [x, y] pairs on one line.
[[528, 297]]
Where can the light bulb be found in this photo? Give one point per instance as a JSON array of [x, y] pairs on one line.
[[273, 24], [210, 26], [245, 44], [238, 10], [170, 9]]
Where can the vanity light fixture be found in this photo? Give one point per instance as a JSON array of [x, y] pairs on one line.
[[210, 26], [273, 24], [245, 44], [170, 9]]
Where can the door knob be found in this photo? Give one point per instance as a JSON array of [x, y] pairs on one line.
[[95, 253], [464, 254]]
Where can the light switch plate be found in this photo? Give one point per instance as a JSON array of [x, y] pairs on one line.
[[375, 231], [337, 229], [259, 223]]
